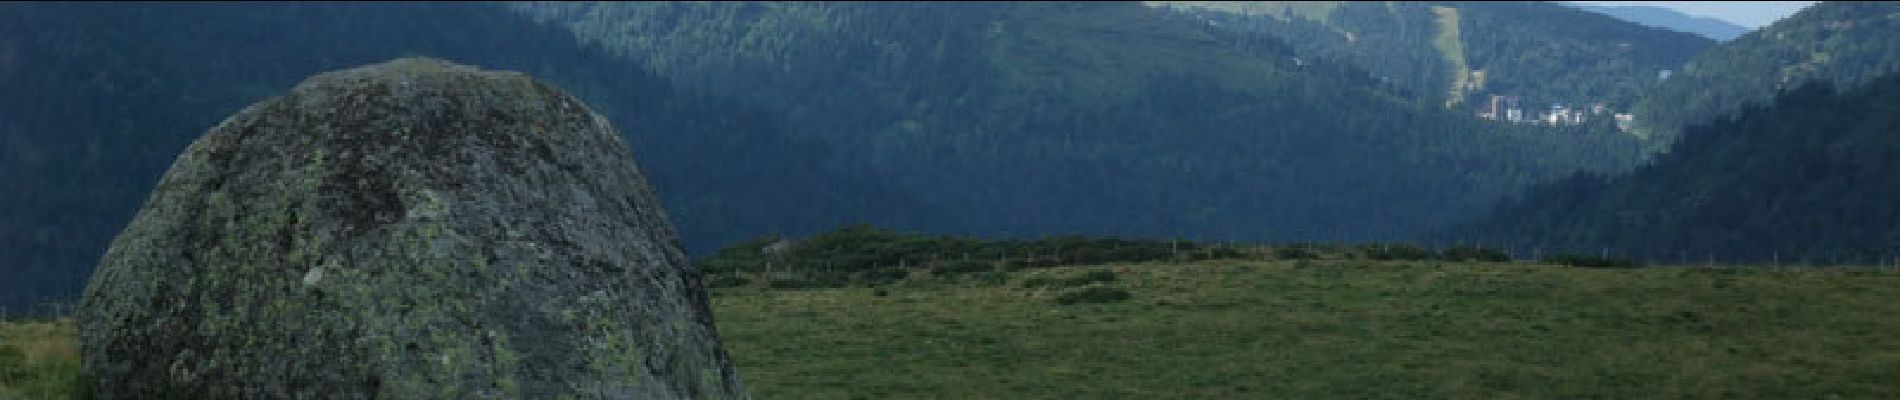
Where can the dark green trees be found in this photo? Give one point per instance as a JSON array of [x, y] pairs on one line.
[[1841, 42], [1808, 178]]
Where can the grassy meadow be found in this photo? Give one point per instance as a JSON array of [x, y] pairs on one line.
[[1334, 329], [1281, 329]]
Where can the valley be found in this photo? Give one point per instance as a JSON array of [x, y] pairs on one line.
[[948, 200]]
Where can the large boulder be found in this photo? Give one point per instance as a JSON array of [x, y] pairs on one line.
[[412, 229]]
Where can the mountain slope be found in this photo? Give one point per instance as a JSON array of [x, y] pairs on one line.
[[1095, 118], [1719, 30], [1465, 52], [102, 97], [1809, 178], [1843, 43]]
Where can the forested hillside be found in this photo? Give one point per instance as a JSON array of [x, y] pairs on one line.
[[1809, 178], [1466, 52], [1844, 43], [1026, 119], [100, 98]]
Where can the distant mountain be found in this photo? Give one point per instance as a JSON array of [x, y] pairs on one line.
[[1808, 178], [1465, 52], [1843, 43], [100, 98], [1033, 118], [1659, 17]]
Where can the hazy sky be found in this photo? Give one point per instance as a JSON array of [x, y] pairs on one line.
[[1751, 14]]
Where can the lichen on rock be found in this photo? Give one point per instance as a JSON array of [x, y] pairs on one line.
[[411, 229]]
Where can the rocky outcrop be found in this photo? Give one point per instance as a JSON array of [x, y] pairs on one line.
[[412, 229]]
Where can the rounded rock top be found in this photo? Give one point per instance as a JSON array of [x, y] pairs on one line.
[[409, 229]]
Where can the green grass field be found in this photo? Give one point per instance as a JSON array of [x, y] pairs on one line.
[[1335, 329], [1291, 329]]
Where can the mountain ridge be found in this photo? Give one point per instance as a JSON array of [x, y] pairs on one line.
[[1843, 43], [1529, 53], [1712, 28], [1040, 118]]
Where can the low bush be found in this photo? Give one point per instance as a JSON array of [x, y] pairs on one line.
[[1294, 253], [1029, 263], [950, 268], [1220, 253], [1085, 278], [993, 278], [1092, 295], [1582, 261], [871, 255], [1398, 252], [726, 281], [807, 283], [1472, 253], [881, 276]]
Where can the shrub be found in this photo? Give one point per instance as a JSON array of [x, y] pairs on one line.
[[1582, 261], [12, 365], [880, 276], [1400, 251], [1041, 281], [1470, 253], [1018, 264], [1072, 281], [1224, 253], [1092, 294], [948, 268], [807, 283], [726, 281], [993, 278], [1100, 275], [1294, 253]]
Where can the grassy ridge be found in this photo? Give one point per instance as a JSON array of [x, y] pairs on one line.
[[1300, 329]]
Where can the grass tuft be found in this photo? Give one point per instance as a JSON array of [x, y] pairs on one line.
[[39, 360]]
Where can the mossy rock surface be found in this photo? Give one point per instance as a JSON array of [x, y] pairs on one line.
[[411, 229]]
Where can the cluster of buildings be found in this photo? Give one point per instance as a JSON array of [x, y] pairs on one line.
[[1509, 109]]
